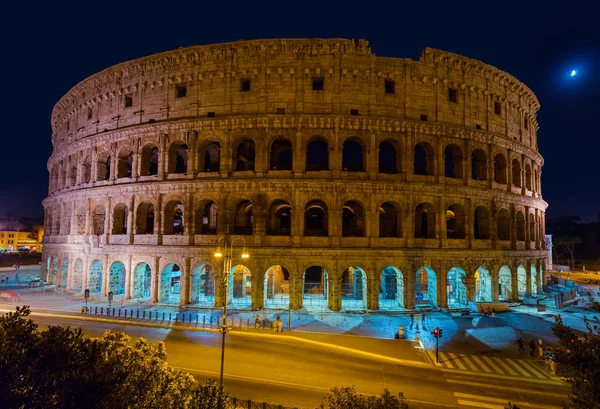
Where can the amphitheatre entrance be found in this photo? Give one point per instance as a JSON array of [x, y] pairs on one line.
[[315, 285], [277, 287], [391, 290]]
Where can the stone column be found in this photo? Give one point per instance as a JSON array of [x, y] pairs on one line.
[[334, 293], [79, 175], [373, 293], [154, 283], [467, 165], [107, 219], [528, 276], [129, 277], [88, 215], [513, 227], [410, 300], [162, 156], [185, 282], [135, 160], [73, 229], [258, 291], [509, 180], [192, 161], [158, 217], [130, 218], [522, 174], [527, 229], [442, 285], [538, 238], [470, 226], [114, 162], [495, 276], [94, 166]]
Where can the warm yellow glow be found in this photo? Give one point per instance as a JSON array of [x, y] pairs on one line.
[[245, 255], [218, 253]]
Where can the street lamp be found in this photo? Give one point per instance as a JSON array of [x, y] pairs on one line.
[[226, 271]]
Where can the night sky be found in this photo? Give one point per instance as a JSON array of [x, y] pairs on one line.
[[47, 49]]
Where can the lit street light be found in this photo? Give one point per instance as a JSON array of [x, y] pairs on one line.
[[226, 271]]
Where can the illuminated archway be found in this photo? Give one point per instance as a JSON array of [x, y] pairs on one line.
[[391, 289], [116, 278], [203, 286], [426, 287], [142, 279], [354, 288], [457, 290], [95, 283], [277, 287], [240, 287], [170, 284], [315, 283]]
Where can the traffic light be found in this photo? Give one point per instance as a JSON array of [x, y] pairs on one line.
[[436, 332], [439, 333]]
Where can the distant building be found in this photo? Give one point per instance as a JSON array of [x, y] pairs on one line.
[[14, 241]]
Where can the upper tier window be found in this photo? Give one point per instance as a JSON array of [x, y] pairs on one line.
[[497, 108], [390, 86], [526, 123], [318, 84], [128, 101], [180, 91], [245, 85], [453, 95]]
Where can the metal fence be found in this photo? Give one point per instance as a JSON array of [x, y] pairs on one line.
[[235, 403]]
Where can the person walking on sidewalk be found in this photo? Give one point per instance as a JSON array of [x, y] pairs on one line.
[[532, 348], [412, 316], [257, 322], [279, 324], [521, 348], [423, 318]]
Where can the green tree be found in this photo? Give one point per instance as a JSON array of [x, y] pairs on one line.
[[566, 244], [60, 368], [347, 398], [581, 358]]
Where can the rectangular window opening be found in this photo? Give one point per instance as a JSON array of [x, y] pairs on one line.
[[280, 111], [210, 114], [453, 95], [89, 113], [477, 126], [390, 86], [423, 117], [318, 83], [245, 85], [128, 101], [180, 91], [497, 108], [354, 112], [526, 124]]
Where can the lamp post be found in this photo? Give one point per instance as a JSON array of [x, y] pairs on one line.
[[226, 271]]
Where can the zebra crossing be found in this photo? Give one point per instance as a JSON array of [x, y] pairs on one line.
[[467, 400], [491, 365]]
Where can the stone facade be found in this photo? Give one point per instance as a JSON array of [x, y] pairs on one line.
[[317, 153]]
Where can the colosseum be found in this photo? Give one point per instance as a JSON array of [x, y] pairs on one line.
[[352, 181]]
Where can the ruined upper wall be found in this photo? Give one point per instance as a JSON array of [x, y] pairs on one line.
[[281, 74]]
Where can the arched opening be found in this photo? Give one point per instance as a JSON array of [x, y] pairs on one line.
[[64, 275], [203, 286], [142, 279], [72, 170], [103, 166], [240, 287], [144, 220], [483, 285], [95, 279], [245, 155], [503, 222], [243, 218], [98, 218], [455, 222], [522, 281], [536, 185], [500, 168], [425, 221], [178, 158], [423, 159], [391, 290], [353, 223], [206, 218], [317, 155], [457, 289], [87, 170], [277, 287], [125, 164], [116, 278], [170, 285], [281, 155], [315, 219], [120, 214], [453, 162], [516, 173], [173, 223], [353, 159], [77, 284], [389, 157], [209, 157], [354, 288], [478, 165], [50, 272], [531, 227], [315, 296], [481, 223], [528, 177], [149, 161], [279, 219], [534, 280], [426, 287], [520, 226], [505, 284], [390, 220]]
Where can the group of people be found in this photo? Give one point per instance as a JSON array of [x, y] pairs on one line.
[[546, 354], [277, 324]]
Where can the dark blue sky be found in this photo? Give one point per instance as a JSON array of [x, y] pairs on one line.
[[47, 49]]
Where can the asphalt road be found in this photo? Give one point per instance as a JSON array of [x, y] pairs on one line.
[[296, 374]]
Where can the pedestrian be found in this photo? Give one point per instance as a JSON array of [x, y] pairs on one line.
[[417, 318], [423, 318], [279, 324], [412, 316], [532, 348], [520, 343], [257, 322], [493, 312], [540, 348]]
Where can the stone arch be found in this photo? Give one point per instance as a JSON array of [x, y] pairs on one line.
[[505, 283], [281, 157], [353, 155], [125, 163], [522, 281], [456, 288], [245, 155], [142, 281], [424, 159], [317, 155], [453, 161], [354, 288], [389, 157], [353, 221], [478, 164], [116, 278], [279, 222], [520, 226], [500, 168], [149, 160], [72, 170], [503, 224], [426, 287], [240, 287], [178, 158], [205, 220], [315, 284], [203, 285], [173, 217], [316, 219], [243, 220], [528, 177], [119, 219], [483, 285], [391, 289], [516, 173], [277, 287], [455, 222], [425, 221], [64, 275], [209, 156], [144, 219], [86, 170], [390, 220], [170, 284], [77, 284], [534, 280], [481, 223], [103, 166], [95, 277]]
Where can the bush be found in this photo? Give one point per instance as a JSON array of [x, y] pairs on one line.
[[347, 398]]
